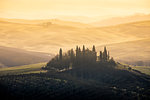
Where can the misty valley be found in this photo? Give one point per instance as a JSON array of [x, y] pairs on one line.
[[74, 49]]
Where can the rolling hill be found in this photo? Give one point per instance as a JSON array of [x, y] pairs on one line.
[[46, 22], [132, 52], [15, 57], [25, 69], [49, 36], [121, 20], [86, 83]]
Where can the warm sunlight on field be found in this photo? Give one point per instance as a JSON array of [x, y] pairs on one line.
[[143, 69], [50, 35], [26, 69], [75, 49]]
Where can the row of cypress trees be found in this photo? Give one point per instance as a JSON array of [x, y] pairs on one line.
[[82, 58], [86, 54]]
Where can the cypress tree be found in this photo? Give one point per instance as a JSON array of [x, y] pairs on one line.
[[83, 48], [83, 51], [77, 51], [72, 55], [60, 54], [94, 53], [77, 48], [112, 61], [101, 56], [105, 54], [93, 49], [79, 55], [108, 56]]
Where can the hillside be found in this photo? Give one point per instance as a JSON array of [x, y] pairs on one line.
[[25, 69], [121, 20], [131, 52], [89, 81], [15, 57], [54, 35], [46, 22], [49, 37]]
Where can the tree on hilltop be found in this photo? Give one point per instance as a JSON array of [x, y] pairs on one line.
[[60, 54], [84, 57]]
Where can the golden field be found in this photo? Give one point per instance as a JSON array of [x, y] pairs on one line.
[[48, 36]]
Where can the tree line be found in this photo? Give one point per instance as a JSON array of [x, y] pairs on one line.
[[80, 56]]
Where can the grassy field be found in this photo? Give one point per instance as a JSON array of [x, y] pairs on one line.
[[50, 35], [33, 68], [125, 42], [36, 68], [143, 69]]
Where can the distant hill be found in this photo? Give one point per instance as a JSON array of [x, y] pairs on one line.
[[46, 21], [16, 57], [46, 36], [132, 52], [121, 20], [49, 37], [24, 69]]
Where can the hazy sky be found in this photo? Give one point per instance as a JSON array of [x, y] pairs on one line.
[[48, 8]]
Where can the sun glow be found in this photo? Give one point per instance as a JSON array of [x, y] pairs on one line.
[[44, 9]]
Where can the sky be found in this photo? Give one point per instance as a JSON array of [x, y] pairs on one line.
[[44, 9]]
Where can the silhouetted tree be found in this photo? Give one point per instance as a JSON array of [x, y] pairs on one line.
[[79, 55], [108, 56], [93, 49], [79, 51], [83, 48], [101, 56], [60, 54], [94, 53], [111, 61], [82, 58], [105, 54], [72, 55]]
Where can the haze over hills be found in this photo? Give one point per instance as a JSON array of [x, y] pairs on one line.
[[16, 57], [77, 20], [47, 22], [121, 20], [75, 49], [50, 35], [131, 52]]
